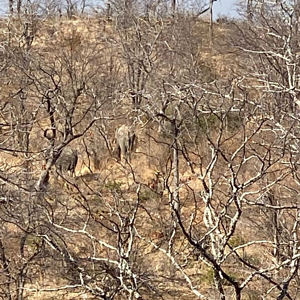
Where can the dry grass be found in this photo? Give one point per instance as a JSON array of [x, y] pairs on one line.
[[98, 182]]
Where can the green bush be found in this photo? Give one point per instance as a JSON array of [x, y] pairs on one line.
[[113, 186], [234, 121], [208, 122], [209, 277], [236, 241]]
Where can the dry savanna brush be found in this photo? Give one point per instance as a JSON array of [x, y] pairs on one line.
[[149, 152]]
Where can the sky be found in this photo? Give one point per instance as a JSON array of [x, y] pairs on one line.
[[221, 7], [225, 7]]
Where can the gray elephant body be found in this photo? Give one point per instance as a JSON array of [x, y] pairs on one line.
[[67, 161], [125, 138]]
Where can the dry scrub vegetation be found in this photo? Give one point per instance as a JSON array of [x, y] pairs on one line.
[[208, 206]]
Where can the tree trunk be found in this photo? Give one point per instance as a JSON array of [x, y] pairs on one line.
[[211, 21], [173, 4], [5, 265], [11, 7], [175, 200], [19, 5], [249, 10]]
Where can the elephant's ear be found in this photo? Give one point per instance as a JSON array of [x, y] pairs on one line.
[[116, 150]]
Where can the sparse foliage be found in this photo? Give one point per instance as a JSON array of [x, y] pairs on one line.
[[205, 206]]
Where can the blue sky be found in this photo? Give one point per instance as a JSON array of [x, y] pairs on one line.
[[225, 7], [221, 7]]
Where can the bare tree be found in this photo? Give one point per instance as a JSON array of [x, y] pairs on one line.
[[208, 206]]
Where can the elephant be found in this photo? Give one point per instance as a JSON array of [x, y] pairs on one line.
[[67, 161], [125, 139]]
